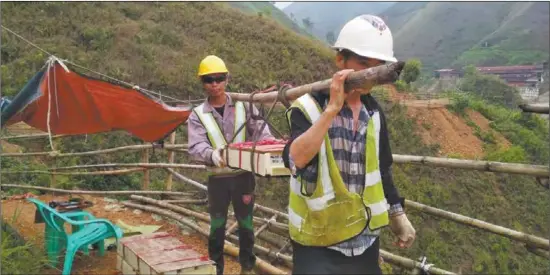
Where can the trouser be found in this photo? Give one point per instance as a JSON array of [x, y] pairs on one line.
[[322, 260], [239, 190]]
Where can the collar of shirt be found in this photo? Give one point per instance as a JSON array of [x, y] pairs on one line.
[[207, 108]]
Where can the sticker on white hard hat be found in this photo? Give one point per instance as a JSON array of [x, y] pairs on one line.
[[375, 21]]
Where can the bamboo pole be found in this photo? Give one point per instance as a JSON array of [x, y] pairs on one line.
[[496, 229], [410, 264], [56, 154], [186, 201], [232, 228], [145, 160], [86, 192], [489, 166], [543, 108], [538, 252], [109, 172], [142, 165], [170, 160], [228, 248], [32, 136], [379, 75], [266, 225]]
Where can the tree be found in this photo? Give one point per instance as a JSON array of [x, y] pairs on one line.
[[308, 24], [331, 38], [411, 71]]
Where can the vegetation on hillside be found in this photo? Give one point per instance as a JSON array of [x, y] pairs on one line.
[[159, 45], [269, 10], [442, 34]]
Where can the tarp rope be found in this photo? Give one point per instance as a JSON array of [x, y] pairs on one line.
[[133, 86], [282, 89]]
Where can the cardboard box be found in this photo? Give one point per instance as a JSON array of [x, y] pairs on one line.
[[160, 253], [268, 160]]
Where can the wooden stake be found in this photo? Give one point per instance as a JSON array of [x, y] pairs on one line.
[[145, 159], [170, 160]]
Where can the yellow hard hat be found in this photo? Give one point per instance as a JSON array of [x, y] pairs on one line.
[[212, 65]]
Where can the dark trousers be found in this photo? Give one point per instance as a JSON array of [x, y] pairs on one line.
[[239, 190], [322, 260]]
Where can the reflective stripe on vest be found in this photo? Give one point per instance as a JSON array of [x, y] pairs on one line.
[[332, 214], [215, 134]]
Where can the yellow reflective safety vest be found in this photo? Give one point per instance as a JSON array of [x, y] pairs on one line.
[[332, 214], [214, 132]]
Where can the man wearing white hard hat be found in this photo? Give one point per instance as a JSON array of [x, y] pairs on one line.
[[341, 190]]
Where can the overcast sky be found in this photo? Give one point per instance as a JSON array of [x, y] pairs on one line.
[[282, 5]]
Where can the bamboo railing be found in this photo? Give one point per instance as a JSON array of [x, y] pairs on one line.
[[541, 108], [488, 166]]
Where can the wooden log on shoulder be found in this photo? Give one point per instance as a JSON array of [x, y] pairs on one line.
[[379, 75], [543, 108], [228, 248]]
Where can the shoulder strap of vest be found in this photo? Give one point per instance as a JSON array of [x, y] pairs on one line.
[[309, 106], [213, 130], [240, 120]]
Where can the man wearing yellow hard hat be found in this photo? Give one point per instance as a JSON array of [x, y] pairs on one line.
[[211, 126]]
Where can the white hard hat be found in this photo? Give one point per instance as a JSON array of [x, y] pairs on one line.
[[368, 36]]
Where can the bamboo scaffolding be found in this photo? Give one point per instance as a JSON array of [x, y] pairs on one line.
[[410, 264], [110, 172], [229, 248], [232, 229], [86, 192], [489, 166], [266, 225], [287, 260], [543, 108], [170, 160], [142, 165], [379, 75], [96, 152], [496, 229]]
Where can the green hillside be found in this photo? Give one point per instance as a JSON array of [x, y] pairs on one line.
[[269, 10], [451, 33], [325, 20], [159, 46]]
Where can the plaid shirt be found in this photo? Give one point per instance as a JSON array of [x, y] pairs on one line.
[[349, 152]]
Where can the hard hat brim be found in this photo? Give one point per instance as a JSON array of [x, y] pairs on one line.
[[368, 54]]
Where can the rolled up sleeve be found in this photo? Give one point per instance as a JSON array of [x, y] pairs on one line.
[[200, 148]]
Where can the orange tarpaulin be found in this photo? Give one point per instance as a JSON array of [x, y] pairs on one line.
[[82, 105]]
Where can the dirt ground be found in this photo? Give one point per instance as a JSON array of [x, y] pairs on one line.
[[437, 125], [22, 212]]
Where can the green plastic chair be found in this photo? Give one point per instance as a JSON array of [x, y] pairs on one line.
[[84, 233]]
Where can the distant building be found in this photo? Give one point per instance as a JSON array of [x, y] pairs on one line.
[[526, 78]]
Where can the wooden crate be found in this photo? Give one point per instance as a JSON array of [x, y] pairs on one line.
[[160, 253], [268, 160]]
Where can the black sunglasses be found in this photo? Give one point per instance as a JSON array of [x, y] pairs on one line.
[[212, 79]]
